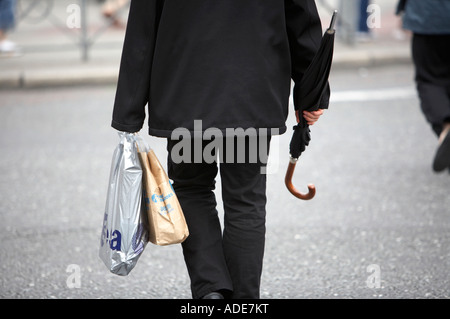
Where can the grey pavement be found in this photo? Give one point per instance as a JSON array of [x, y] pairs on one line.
[[52, 54], [378, 228]]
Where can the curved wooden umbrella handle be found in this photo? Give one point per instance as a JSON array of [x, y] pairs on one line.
[[292, 189]]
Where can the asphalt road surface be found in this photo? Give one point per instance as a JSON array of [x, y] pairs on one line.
[[378, 227]]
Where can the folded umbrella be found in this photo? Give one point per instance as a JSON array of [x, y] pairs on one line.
[[310, 91]]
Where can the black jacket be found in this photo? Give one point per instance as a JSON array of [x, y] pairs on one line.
[[228, 63]]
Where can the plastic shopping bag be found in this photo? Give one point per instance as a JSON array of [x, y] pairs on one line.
[[167, 224], [124, 233]]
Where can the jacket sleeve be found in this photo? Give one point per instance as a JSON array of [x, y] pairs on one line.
[[133, 85], [304, 31]]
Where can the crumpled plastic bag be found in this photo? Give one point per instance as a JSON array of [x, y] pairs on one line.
[[124, 233]]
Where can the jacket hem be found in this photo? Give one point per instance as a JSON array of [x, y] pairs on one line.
[[273, 131], [126, 128]]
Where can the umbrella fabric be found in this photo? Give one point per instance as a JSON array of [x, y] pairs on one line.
[[314, 85], [313, 91], [310, 94], [300, 140]]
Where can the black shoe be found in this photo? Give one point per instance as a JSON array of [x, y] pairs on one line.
[[213, 295], [442, 158]]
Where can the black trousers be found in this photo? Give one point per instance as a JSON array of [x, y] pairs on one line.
[[231, 260], [431, 55]]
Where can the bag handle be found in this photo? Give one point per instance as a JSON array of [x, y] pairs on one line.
[[141, 144]]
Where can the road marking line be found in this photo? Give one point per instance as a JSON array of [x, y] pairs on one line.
[[385, 94]]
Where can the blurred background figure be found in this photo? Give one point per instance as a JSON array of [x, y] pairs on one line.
[[111, 8], [7, 22], [363, 33], [353, 21], [430, 24]]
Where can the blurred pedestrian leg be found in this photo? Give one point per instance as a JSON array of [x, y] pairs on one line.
[[432, 61], [428, 20], [363, 33], [7, 23], [111, 8]]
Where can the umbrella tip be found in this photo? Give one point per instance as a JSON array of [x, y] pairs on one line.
[[333, 20]]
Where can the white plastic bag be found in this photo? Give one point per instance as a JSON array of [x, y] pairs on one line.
[[124, 232]]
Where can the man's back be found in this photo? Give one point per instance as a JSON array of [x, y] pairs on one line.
[[226, 63]]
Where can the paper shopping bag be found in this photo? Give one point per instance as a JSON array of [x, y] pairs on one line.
[[167, 224]]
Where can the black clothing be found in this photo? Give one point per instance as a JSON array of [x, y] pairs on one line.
[[227, 63], [432, 62], [231, 261], [428, 20]]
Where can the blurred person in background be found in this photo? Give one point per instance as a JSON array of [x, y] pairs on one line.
[[7, 22], [429, 21], [111, 9], [363, 33]]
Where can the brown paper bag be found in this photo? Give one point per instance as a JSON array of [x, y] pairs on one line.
[[167, 224]]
